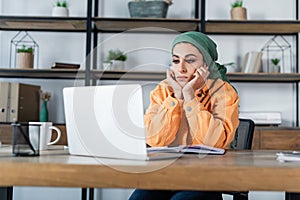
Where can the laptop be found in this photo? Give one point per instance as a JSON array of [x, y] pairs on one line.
[[107, 121]]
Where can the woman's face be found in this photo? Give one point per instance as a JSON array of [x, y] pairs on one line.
[[186, 60]]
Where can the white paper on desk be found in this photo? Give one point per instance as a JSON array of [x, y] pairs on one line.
[[288, 156], [197, 149]]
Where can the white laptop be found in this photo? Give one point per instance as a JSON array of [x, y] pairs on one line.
[[107, 121]]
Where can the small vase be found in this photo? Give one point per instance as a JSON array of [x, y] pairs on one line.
[[44, 112], [60, 12], [238, 13]]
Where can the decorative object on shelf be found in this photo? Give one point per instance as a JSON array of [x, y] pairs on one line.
[[60, 9], [24, 51], [115, 59], [24, 57], [275, 65], [45, 97], [278, 47], [151, 9], [238, 12]]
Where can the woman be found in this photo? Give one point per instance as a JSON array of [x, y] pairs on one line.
[[194, 105]]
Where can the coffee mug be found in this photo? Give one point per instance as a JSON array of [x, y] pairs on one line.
[[43, 135]]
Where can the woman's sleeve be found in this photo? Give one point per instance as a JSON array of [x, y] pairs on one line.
[[162, 118], [214, 119]]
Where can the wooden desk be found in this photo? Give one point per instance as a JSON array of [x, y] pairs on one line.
[[235, 171]]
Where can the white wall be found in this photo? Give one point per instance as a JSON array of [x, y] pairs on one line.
[[70, 47]]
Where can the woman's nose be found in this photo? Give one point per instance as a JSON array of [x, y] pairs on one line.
[[182, 66]]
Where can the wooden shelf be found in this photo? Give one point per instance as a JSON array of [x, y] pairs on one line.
[[42, 73], [43, 23], [124, 24], [128, 75], [252, 27], [264, 77], [137, 75], [233, 77]]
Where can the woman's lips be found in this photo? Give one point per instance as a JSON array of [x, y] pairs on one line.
[[181, 78]]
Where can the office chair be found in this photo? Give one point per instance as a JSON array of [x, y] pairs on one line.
[[242, 140]]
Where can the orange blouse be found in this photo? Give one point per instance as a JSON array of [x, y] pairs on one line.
[[211, 118]]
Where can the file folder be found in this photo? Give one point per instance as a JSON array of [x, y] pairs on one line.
[[19, 102]]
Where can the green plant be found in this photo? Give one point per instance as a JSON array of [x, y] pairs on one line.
[[116, 55], [275, 61], [25, 49], [61, 3], [237, 3]]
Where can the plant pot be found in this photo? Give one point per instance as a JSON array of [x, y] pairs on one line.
[[152, 9], [60, 12], [276, 68], [117, 65], [24, 60], [238, 13]]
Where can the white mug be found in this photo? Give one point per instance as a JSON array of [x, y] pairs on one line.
[[43, 133]]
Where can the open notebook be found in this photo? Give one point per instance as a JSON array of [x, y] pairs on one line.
[[107, 121], [197, 149]]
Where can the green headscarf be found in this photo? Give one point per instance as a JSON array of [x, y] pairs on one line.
[[207, 48]]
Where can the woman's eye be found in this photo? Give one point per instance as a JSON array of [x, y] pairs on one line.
[[190, 60], [175, 61]]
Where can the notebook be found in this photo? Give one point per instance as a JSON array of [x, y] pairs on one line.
[[107, 121]]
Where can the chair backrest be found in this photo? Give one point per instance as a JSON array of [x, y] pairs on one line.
[[244, 135]]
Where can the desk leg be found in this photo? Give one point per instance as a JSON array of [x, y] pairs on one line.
[[84, 194], [91, 193], [6, 193], [292, 196]]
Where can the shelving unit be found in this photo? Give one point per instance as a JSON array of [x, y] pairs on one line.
[[92, 25]]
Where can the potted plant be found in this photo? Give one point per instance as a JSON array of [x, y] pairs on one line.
[[275, 65], [60, 9], [151, 8], [116, 59], [24, 57], [238, 12]]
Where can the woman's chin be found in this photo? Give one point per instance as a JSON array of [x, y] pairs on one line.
[[182, 83]]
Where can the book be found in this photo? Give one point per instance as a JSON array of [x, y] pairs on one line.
[[58, 65], [197, 149], [288, 156], [252, 62]]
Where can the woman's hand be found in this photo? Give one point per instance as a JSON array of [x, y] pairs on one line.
[[177, 89], [200, 77]]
